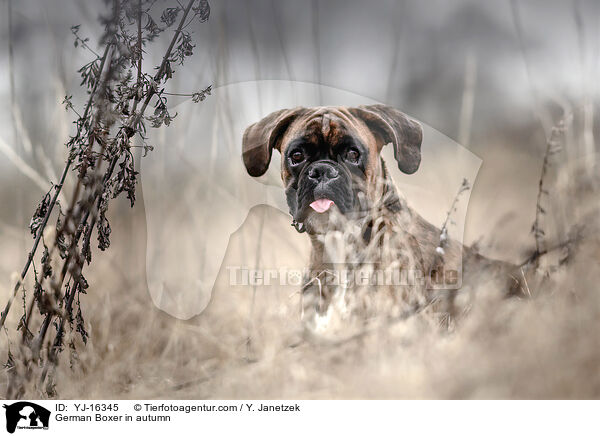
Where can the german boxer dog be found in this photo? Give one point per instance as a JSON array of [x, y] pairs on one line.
[[335, 180]]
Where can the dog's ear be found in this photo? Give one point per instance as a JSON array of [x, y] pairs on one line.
[[262, 137], [391, 125]]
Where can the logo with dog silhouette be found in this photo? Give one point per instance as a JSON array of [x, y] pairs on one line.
[[26, 415]]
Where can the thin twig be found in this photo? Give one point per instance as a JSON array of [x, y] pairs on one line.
[[161, 70], [57, 190], [551, 147], [124, 134]]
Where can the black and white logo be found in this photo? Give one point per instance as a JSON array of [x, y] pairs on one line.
[[26, 415]]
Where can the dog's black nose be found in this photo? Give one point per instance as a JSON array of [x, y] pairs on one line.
[[322, 172]]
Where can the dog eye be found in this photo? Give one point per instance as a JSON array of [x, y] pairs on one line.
[[297, 156], [352, 155]]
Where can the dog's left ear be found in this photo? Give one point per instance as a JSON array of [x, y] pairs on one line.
[[262, 137], [391, 125]]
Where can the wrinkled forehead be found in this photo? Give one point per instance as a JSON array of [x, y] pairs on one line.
[[328, 127]]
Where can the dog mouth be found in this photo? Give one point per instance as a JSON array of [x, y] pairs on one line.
[[319, 199], [321, 205]]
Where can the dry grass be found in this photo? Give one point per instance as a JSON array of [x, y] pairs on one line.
[[252, 343], [543, 347]]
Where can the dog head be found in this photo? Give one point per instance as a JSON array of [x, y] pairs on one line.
[[330, 156]]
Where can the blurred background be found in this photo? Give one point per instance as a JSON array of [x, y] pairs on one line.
[[492, 76]]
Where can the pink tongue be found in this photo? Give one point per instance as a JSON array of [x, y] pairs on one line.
[[321, 205]]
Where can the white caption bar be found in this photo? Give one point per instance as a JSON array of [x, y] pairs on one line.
[[302, 417]]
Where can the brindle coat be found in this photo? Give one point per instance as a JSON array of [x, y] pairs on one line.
[[334, 153]]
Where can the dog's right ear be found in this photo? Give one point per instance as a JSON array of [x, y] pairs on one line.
[[262, 137]]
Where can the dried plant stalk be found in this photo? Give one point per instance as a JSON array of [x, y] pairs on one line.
[[100, 154]]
